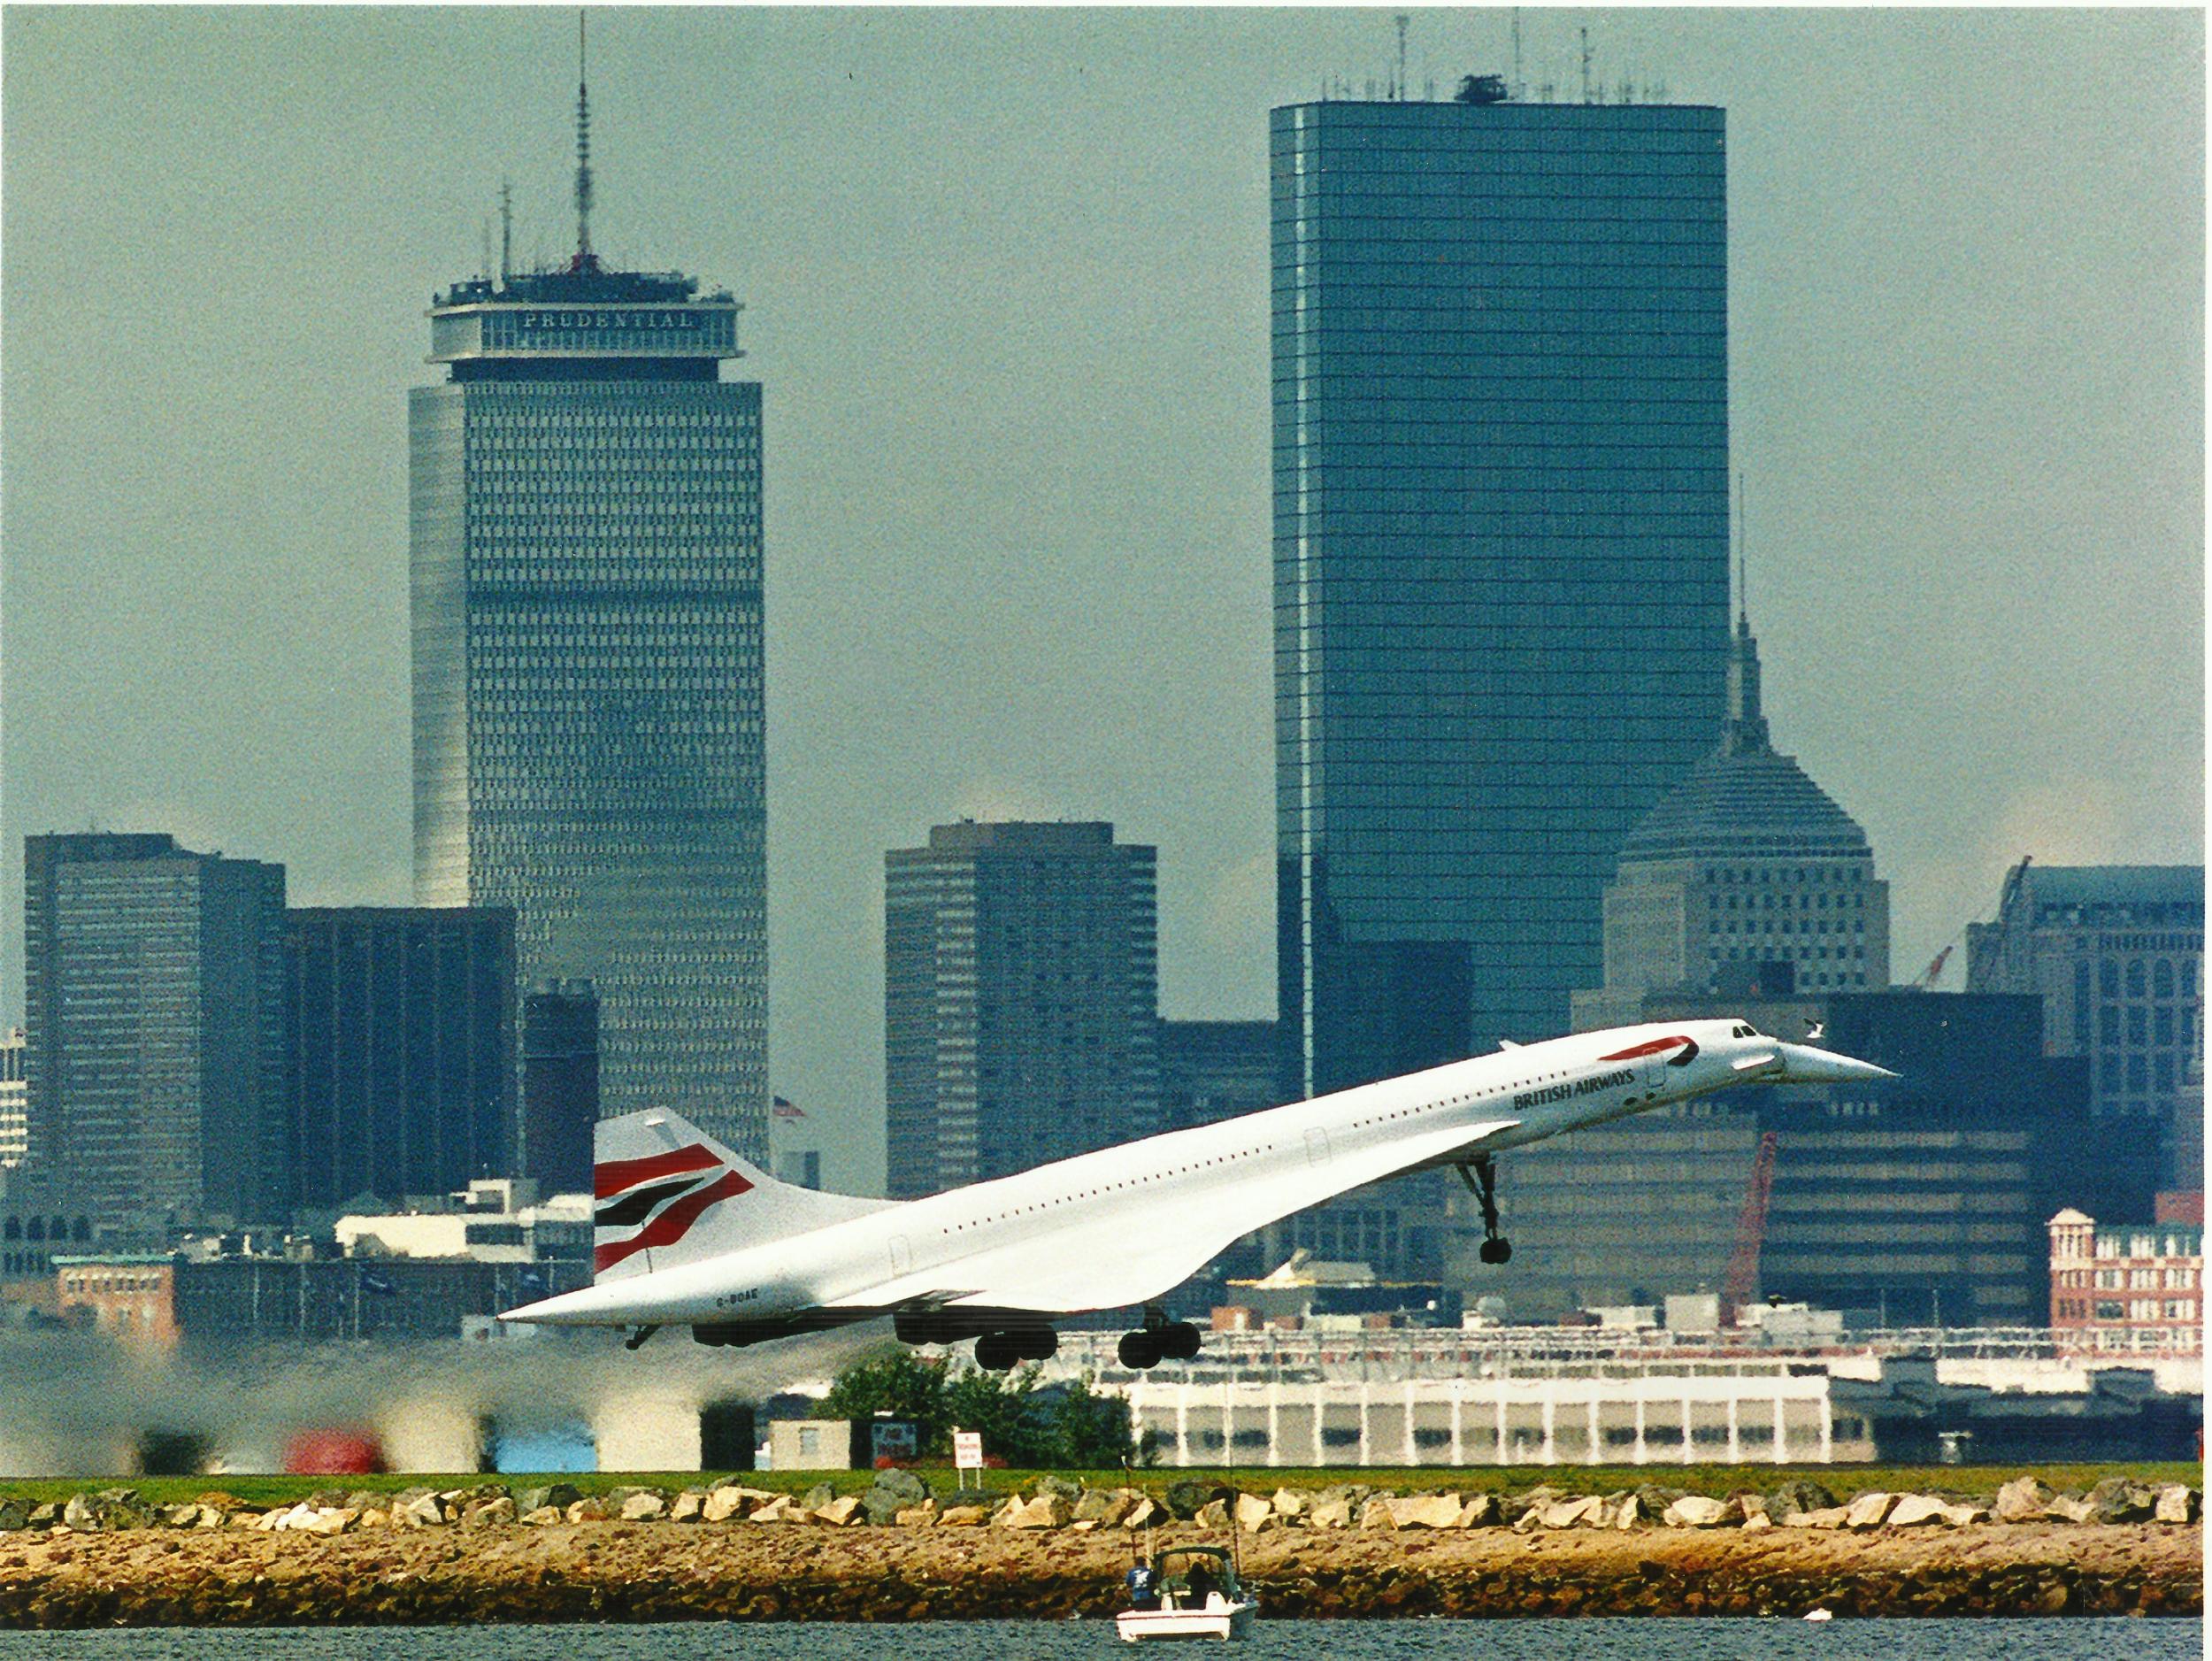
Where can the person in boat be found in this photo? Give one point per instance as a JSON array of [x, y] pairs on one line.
[[1201, 1584], [1144, 1585]]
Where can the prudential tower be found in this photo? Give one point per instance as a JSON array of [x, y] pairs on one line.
[[585, 543]]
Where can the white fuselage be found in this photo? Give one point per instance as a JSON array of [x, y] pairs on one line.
[[1099, 1230]]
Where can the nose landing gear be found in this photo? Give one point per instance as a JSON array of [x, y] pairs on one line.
[[1480, 1174]]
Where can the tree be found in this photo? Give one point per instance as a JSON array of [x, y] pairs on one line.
[[1023, 1420]]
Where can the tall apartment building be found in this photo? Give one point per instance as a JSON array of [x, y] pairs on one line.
[[2117, 953], [1020, 1000], [401, 1021], [585, 549], [154, 1003], [15, 1126], [1501, 549]]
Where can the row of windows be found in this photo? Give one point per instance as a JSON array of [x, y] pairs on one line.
[[2159, 977], [2156, 1072]]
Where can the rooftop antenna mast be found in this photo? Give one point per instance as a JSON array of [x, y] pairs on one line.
[[506, 231], [1585, 65], [1520, 86], [1399, 94], [584, 260], [1743, 560]]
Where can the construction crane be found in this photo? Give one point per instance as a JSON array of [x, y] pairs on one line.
[[1751, 1233], [1933, 973]]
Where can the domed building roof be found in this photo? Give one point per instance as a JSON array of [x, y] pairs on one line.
[[1746, 800]]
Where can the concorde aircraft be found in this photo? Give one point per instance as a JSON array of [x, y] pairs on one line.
[[685, 1233]]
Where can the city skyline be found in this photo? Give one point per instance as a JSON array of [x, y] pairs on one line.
[[1006, 285]]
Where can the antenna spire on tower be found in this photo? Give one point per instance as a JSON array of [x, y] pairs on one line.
[[506, 232], [1743, 561], [584, 259]]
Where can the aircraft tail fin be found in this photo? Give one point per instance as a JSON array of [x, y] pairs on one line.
[[665, 1193]]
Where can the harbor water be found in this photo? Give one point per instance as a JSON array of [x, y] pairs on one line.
[[1063, 1641]]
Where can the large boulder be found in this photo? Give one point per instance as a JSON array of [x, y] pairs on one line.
[[1427, 1511], [964, 1517], [840, 1513], [1213, 1514], [1959, 1513], [906, 1485], [688, 1506], [1254, 1513], [1186, 1499], [729, 1500], [1480, 1511], [1588, 1512], [424, 1510], [917, 1516], [1329, 1513], [2067, 1508], [560, 1496], [1799, 1495], [1106, 1506], [1376, 1514], [1046, 1511], [1700, 1510], [2117, 1500], [2178, 1503], [2024, 1500], [643, 1507], [486, 1513], [1146, 1513], [1914, 1511], [780, 1508], [1290, 1504], [1869, 1510]]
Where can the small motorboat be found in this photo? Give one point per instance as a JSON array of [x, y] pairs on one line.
[[1193, 1593]]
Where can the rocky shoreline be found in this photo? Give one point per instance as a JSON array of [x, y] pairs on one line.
[[1031, 1555]]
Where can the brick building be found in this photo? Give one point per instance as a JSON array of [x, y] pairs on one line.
[[2132, 1288]]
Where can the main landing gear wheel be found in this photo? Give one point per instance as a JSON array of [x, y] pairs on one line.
[[1158, 1339], [1140, 1350], [1179, 1341], [1481, 1176], [995, 1352]]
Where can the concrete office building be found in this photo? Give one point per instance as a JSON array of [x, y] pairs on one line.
[[401, 1021], [1020, 1000], [1500, 459], [2116, 954], [153, 980], [560, 1084], [586, 548]]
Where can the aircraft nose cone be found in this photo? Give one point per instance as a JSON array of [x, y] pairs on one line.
[[1801, 1064]]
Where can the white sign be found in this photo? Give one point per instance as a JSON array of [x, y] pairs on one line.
[[967, 1450]]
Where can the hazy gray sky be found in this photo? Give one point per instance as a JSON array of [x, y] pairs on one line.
[[1006, 286]]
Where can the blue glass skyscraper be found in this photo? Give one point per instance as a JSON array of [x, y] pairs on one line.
[[1501, 560]]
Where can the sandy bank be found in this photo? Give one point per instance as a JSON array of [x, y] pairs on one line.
[[618, 1572]]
